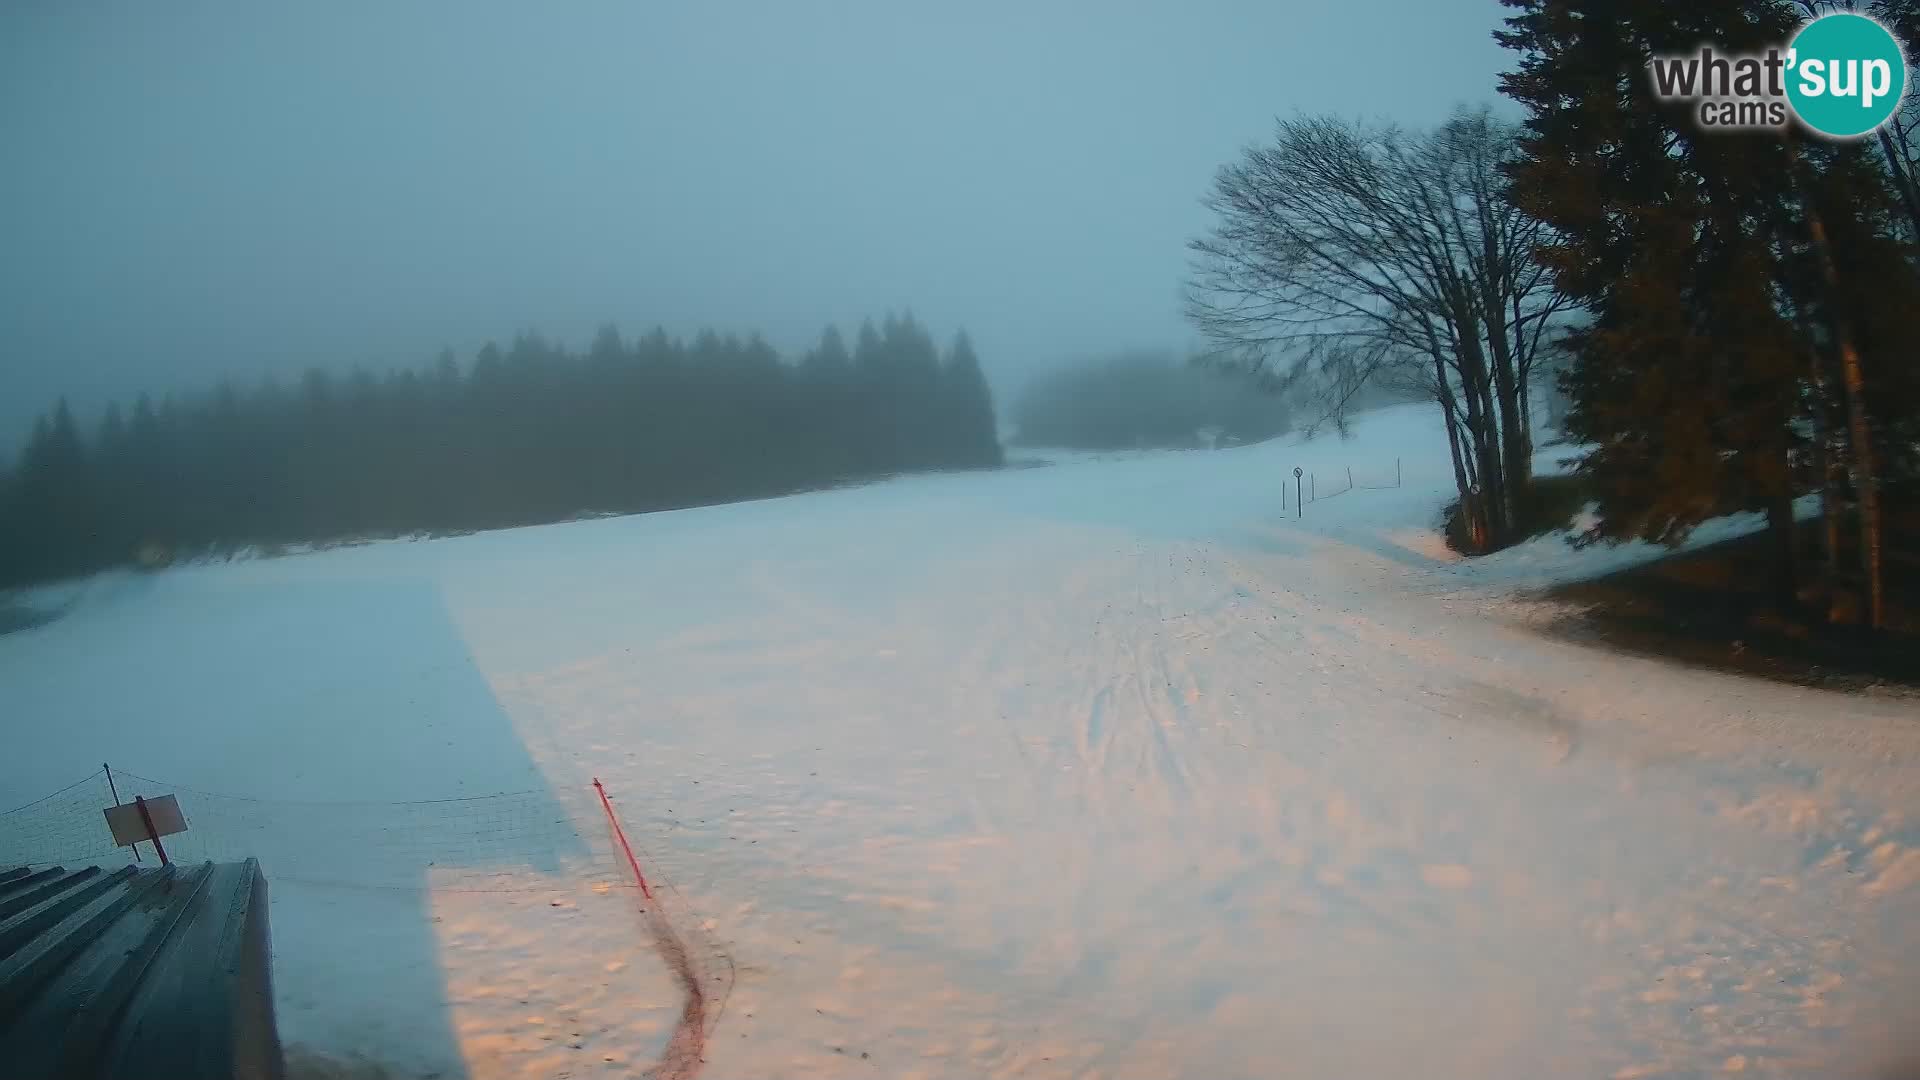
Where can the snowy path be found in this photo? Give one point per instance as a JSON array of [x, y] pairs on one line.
[[1111, 770]]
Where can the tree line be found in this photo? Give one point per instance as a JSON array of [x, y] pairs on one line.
[[1143, 400], [527, 434], [1730, 314]]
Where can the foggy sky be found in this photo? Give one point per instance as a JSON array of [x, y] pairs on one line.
[[195, 190]]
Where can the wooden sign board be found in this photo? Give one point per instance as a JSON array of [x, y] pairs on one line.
[[128, 828]]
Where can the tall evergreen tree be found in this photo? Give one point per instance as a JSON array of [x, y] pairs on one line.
[[969, 402], [1721, 329], [830, 355]]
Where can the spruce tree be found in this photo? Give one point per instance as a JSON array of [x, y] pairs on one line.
[[1746, 291], [829, 356], [969, 403], [1686, 378]]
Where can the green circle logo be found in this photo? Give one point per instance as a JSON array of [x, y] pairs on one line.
[[1845, 75]]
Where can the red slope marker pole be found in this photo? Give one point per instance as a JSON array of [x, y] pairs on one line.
[[620, 834]]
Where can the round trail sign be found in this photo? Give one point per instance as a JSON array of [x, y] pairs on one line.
[[1296, 472]]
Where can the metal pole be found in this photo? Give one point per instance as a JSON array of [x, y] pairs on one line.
[[116, 802], [152, 833], [1349, 476], [1312, 490]]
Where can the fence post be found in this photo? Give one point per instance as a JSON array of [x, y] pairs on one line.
[[1312, 490], [1396, 472], [1349, 476], [153, 834]]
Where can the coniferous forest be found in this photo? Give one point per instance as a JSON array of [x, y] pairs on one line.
[[523, 435]]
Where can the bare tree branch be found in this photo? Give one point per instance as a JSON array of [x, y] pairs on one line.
[[1345, 255]]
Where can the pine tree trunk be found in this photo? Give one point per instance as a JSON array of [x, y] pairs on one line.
[[1859, 428], [1829, 545], [1780, 527], [1866, 482], [1824, 465]]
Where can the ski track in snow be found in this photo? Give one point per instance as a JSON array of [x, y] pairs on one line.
[[1110, 769]]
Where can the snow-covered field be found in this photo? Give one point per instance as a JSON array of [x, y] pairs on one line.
[[1109, 769]]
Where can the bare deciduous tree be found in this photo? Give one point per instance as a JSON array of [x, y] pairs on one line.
[[1346, 255]]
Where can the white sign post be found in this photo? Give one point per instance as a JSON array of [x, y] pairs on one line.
[[146, 819]]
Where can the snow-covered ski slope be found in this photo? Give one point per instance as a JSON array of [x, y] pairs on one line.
[[1110, 769]]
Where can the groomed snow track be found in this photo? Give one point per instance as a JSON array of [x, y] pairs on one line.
[[1107, 769]]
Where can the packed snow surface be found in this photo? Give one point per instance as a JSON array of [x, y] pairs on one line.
[[1111, 769]]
